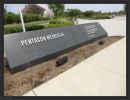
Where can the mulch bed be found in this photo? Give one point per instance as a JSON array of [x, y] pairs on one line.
[[23, 81]]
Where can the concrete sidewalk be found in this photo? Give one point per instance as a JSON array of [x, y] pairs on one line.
[[103, 74], [114, 27]]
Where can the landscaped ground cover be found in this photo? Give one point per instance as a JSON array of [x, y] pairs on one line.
[[22, 82]]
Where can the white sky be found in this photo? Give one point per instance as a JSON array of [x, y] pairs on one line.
[[82, 7]]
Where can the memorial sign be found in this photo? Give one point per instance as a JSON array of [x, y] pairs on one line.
[[26, 49]]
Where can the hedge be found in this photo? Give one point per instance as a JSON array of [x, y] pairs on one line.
[[30, 18], [101, 17], [10, 18], [18, 28], [59, 23]]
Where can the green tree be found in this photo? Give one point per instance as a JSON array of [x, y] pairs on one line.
[[88, 13], [58, 9], [74, 12], [10, 18]]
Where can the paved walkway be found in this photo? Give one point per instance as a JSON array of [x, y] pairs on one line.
[[103, 74], [114, 27]]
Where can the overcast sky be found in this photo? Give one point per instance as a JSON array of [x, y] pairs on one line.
[[82, 7]]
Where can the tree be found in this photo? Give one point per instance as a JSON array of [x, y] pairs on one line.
[[88, 13], [33, 9], [74, 12], [58, 9], [10, 18]]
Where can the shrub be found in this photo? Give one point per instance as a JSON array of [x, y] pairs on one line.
[[27, 18], [34, 27], [10, 18], [55, 17], [101, 17], [18, 28], [15, 29], [59, 23], [32, 17], [46, 18]]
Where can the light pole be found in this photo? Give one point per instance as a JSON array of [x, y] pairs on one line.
[[21, 17]]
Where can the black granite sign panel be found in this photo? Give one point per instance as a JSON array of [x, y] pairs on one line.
[[29, 48]]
